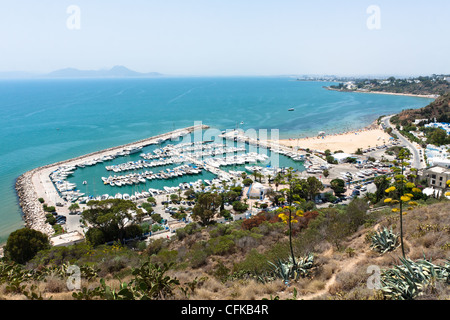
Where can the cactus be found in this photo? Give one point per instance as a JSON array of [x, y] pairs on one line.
[[407, 281], [384, 241], [286, 270]]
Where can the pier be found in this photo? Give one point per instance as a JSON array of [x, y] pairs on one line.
[[36, 183]]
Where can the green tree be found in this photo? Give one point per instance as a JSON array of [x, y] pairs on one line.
[[438, 137], [95, 236], [239, 206], [338, 186], [23, 244], [382, 183], [206, 207], [314, 187], [148, 207], [74, 207], [156, 217], [110, 216]]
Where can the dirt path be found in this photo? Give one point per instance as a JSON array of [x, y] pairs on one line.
[[344, 266], [347, 265]]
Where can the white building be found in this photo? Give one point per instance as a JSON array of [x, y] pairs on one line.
[[438, 155], [417, 121], [442, 125], [67, 239], [437, 176], [257, 190]]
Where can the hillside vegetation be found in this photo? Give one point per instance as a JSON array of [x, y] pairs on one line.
[[434, 85], [241, 260], [438, 109]]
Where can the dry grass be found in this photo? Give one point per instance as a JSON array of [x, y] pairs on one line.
[[337, 274]]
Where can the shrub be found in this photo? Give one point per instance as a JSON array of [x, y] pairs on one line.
[[156, 228], [165, 256], [49, 209], [239, 206], [145, 227], [155, 245], [221, 245], [156, 217], [198, 256], [95, 236], [50, 219], [254, 262], [253, 222], [189, 229], [23, 244]]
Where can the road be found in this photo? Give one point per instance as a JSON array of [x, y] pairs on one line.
[[416, 157]]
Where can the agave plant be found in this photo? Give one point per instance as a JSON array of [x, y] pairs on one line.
[[407, 281], [287, 270], [384, 241]]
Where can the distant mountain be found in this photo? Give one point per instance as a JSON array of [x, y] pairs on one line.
[[115, 72]]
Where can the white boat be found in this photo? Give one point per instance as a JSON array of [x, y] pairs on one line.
[[131, 150], [126, 196], [118, 196]]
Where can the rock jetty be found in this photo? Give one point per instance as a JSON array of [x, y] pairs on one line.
[[33, 211]]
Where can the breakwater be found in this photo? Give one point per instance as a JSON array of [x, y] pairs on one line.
[[30, 186]]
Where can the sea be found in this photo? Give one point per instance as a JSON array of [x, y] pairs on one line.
[[43, 121]]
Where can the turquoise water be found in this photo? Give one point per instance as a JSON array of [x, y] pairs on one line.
[[44, 121], [95, 186]]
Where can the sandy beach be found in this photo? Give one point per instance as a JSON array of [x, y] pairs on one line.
[[429, 96], [348, 142]]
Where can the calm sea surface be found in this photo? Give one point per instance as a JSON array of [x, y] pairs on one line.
[[45, 121]]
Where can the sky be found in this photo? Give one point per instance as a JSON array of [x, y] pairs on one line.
[[228, 37]]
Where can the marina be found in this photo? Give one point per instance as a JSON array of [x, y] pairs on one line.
[[162, 166], [85, 135], [52, 182], [147, 168]]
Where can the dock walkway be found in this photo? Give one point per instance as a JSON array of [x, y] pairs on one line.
[[36, 183]]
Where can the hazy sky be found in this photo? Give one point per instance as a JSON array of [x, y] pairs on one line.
[[227, 37]]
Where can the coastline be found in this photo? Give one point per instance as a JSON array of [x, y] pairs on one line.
[[428, 96], [35, 184], [369, 136]]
